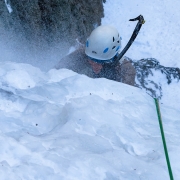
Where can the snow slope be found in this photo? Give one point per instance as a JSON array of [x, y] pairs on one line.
[[61, 125], [159, 37]]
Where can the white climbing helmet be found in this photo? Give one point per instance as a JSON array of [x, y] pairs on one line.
[[103, 43]]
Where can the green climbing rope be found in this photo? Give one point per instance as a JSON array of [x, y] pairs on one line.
[[163, 139]]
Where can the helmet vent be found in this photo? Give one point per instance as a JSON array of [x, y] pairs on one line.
[[113, 47], [113, 39], [117, 41], [106, 50], [94, 52]]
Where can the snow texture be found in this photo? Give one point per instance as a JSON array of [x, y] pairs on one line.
[[61, 125], [159, 37]]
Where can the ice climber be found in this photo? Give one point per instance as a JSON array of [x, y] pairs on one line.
[[99, 57]]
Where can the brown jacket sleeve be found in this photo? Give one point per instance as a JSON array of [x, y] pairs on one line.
[[128, 73]]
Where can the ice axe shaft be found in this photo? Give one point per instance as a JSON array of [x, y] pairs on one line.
[[141, 21]]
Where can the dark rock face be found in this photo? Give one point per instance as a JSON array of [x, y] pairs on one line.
[[46, 22]]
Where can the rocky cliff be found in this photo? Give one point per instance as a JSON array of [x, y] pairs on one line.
[[44, 23]]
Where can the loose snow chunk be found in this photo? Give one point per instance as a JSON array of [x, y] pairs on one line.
[[8, 6], [20, 76], [19, 79], [58, 75]]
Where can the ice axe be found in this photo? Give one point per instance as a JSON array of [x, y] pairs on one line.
[[141, 21]]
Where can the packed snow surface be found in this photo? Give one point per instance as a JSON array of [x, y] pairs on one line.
[[61, 125]]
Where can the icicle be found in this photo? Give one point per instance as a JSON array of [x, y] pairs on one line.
[[8, 6]]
